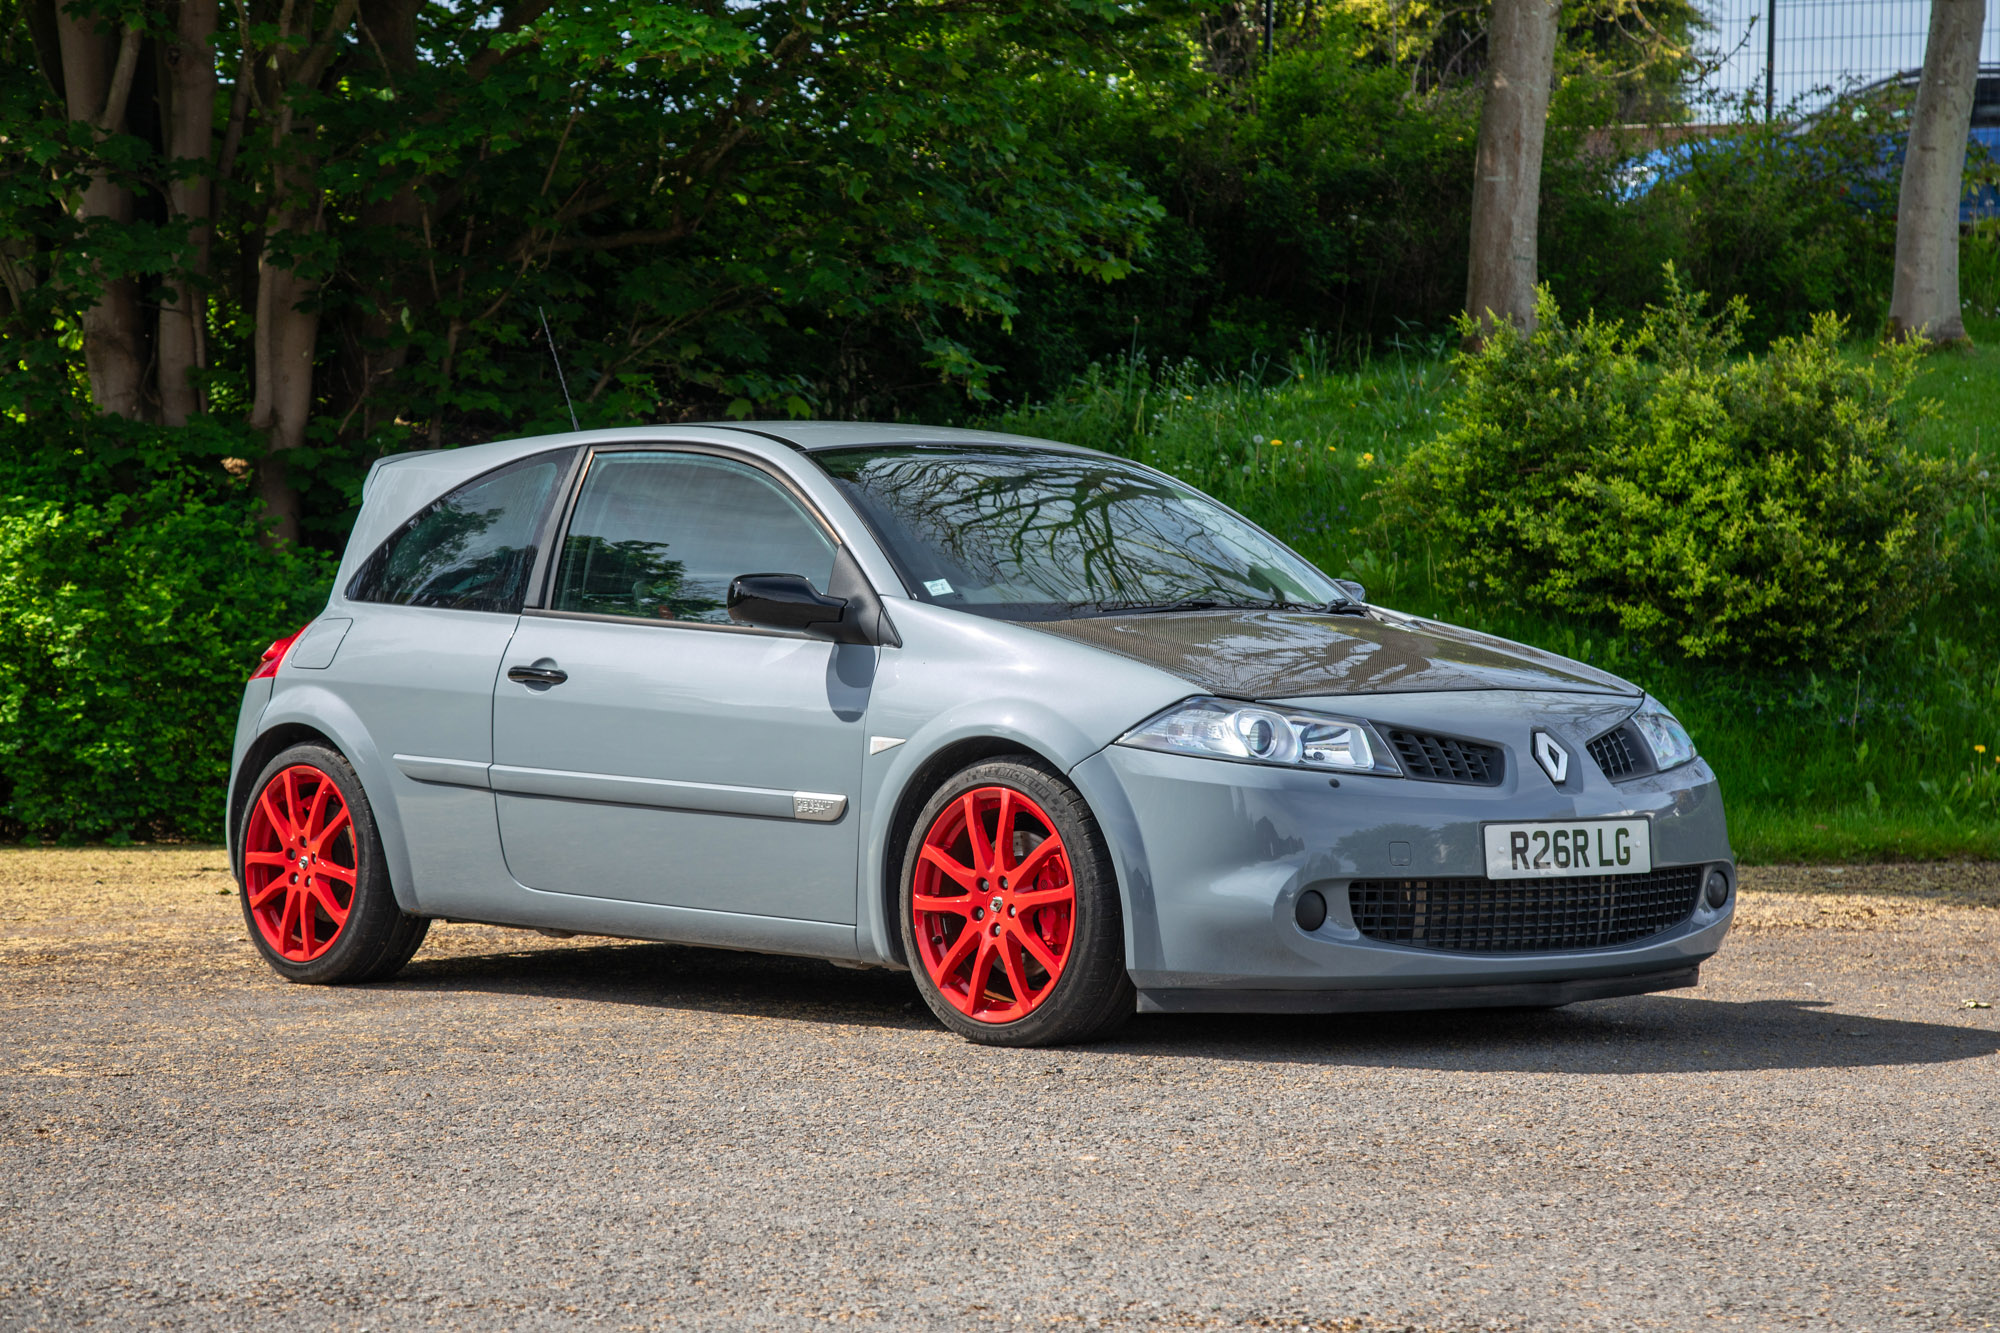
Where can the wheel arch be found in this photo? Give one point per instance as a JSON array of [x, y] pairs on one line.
[[267, 745], [314, 715], [921, 783]]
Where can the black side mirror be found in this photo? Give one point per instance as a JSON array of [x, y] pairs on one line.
[[849, 612], [782, 601]]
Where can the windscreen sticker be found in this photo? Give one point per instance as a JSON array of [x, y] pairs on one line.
[[938, 587]]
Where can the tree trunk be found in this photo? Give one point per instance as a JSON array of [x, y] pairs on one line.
[[1507, 179], [189, 93], [1925, 300], [287, 329], [97, 80], [282, 351]]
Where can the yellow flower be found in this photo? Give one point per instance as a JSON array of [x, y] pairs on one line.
[[1367, 458], [1276, 443], [1188, 396], [1979, 749], [1330, 449]]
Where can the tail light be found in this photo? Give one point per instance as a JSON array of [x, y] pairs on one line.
[[267, 665]]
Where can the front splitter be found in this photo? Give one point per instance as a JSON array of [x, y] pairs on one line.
[[1526, 994]]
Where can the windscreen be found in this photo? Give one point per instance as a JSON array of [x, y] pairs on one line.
[[1032, 535]]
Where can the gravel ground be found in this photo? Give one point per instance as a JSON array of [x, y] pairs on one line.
[[522, 1133]]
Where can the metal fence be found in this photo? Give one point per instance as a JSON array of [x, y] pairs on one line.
[[1778, 52]]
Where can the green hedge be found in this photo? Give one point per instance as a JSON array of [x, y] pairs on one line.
[[127, 628]]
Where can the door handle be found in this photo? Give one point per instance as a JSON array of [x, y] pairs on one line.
[[536, 675]]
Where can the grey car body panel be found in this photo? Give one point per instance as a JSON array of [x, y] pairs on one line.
[[256, 698], [810, 436], [665, 768], [1282, 655], [650, 802]]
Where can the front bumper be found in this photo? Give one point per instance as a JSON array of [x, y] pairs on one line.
[[1213, 857]]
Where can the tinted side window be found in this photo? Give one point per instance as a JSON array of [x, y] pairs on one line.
[[470, 550], [660, 535]]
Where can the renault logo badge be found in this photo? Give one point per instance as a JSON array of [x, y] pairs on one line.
[[1552, 757]]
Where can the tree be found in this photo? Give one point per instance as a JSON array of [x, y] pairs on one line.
[[325, 226], [1506, 188], [1924, 302]]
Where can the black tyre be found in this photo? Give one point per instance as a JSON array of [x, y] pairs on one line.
[[1009, 909], [315, 886]]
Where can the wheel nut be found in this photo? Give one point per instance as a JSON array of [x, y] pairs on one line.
[[978, 914]]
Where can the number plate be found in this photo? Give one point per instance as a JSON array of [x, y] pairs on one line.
[[1547, 850]]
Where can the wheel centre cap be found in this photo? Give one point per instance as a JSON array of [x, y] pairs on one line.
[[996, 903]]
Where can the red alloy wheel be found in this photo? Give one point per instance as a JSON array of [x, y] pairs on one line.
[[994, 903], [299, 863]]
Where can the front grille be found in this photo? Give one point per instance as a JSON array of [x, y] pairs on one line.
[[1523, 916], [1448, 759], [1615, 753]]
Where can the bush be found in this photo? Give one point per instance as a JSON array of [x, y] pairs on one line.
[[1766, 510], [127, 627]]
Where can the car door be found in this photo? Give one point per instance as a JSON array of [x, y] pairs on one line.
[[645, 748]]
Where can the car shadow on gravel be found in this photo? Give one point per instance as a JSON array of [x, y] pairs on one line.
[[672, 976], [1652, 1034], [1647, 1034]]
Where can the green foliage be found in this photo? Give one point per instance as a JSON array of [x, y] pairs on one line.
[[1979, 270], [1767, 509], [127, 628], [774, 209], [1796, 215], [1315, 191]]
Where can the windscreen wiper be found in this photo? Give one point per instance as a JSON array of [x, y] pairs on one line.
[[1112, 607], [1341, 608], [1109, 607]]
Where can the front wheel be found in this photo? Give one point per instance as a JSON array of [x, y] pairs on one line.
[[316, 892], [1010, 911]]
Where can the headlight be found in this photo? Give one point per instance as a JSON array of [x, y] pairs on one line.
[[1217, 729], [1664, 734]]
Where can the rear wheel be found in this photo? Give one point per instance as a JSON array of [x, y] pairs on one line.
[[1010, 910], [316, 892]]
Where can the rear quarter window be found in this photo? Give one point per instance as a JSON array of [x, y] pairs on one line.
[[472, 548]]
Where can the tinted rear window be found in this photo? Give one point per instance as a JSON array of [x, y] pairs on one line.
[[472, 549]]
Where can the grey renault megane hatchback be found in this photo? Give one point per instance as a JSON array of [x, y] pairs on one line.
[[1058, 734]]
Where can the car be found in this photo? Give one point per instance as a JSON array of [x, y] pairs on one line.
[[1049, 729], [1872, 190]]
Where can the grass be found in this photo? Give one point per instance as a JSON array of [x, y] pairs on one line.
[[1876, 762]]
